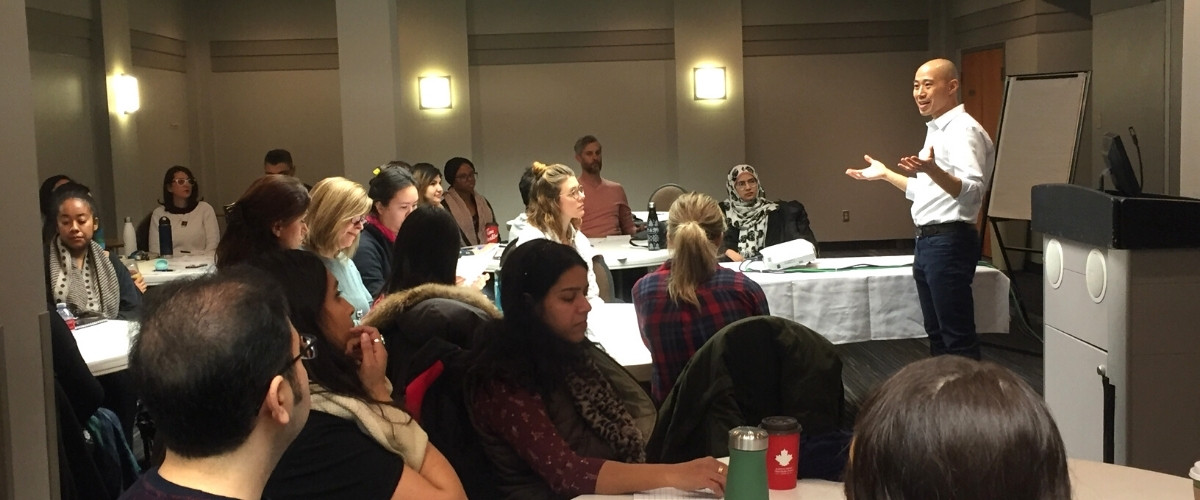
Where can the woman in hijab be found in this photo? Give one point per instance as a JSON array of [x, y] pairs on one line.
[[754, 222]]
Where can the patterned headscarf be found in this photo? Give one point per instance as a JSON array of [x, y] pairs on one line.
[[749, 217]]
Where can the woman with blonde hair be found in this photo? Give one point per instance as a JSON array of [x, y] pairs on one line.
[[690, 297], [335, 218], [554, 212]]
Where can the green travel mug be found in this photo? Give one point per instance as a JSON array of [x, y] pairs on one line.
[[747, 478]]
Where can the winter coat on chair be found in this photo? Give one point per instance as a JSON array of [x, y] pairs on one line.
[[753, 368], [429, 330]]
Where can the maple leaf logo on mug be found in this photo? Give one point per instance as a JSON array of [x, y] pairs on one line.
[[783, 458]]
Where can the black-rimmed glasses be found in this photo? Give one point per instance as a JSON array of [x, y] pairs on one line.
[[308, 350]]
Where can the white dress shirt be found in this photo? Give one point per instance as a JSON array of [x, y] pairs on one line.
[[962, 148]]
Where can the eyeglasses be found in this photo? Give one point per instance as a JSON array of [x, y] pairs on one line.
[[308, 350], [466, 176], [358, 221], [576, 194], [183, 182]]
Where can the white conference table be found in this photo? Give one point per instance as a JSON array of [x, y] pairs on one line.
[[618, 252], [880, 302], [179, 266], [1089, 481], [105, 345]]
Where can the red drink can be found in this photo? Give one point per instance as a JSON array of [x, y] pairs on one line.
[[783, 451], [492, 231]]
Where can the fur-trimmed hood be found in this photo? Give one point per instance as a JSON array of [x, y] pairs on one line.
[[392, 307]]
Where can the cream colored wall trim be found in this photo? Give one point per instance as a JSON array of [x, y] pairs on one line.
[[583, 46], [273, 55], [835, 38], [56, 33], [158, 52]]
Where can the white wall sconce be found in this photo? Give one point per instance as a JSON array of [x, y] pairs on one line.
[[709, 83], [435, 92], [126, 89]]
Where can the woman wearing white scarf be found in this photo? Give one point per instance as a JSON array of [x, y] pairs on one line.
[[755, 222]]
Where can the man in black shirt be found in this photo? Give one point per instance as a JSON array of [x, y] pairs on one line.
[[218, 366]]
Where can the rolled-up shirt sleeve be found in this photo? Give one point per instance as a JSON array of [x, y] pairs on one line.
[[519, 418], [968, 154]]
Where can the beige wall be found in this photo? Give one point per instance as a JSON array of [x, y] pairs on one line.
[[65, 125], [534, 112], [803, 130], [255, 111], [1129, 86], [163, 133]]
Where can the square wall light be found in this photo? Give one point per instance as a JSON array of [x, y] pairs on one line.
[[126, 89], [435, 92], [709, 83]]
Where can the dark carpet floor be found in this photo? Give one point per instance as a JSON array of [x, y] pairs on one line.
[[867, 364]]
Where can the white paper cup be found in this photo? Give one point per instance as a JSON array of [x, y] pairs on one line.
[[1195, 475]]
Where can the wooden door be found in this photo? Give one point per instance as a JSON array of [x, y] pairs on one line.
[[981, 82]]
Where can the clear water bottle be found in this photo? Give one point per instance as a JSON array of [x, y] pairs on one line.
[[66, 314], [653, 236], [164, 236]]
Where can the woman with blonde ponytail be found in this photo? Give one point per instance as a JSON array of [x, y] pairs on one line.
[[689, 298]]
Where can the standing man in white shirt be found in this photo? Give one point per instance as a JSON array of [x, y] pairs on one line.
[[946, 183]]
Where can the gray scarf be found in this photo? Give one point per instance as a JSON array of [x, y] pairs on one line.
[[99, 293]]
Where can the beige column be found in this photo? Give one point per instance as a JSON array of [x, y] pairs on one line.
[[25, 458], [1189, 127], [711, 134], [125, 194]]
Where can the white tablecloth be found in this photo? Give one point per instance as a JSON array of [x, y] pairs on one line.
[[871, 303], [618, 253], [105, 345], [179, 266], [615, 328]]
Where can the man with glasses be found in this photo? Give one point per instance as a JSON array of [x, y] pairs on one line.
[[606, 208], [218, 366]]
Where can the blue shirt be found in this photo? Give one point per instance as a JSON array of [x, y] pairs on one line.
[[350, 283]]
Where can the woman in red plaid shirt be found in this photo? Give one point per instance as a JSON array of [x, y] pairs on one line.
[[690, 297]]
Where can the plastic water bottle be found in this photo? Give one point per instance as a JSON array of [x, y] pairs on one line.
[[66, 314], [653, 238], [129, 237], [164, 236], [747, 479]]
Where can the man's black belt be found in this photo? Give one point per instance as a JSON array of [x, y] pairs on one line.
[[943, 227]]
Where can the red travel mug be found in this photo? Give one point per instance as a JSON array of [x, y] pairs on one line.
[[783, 451], [492, 230]]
